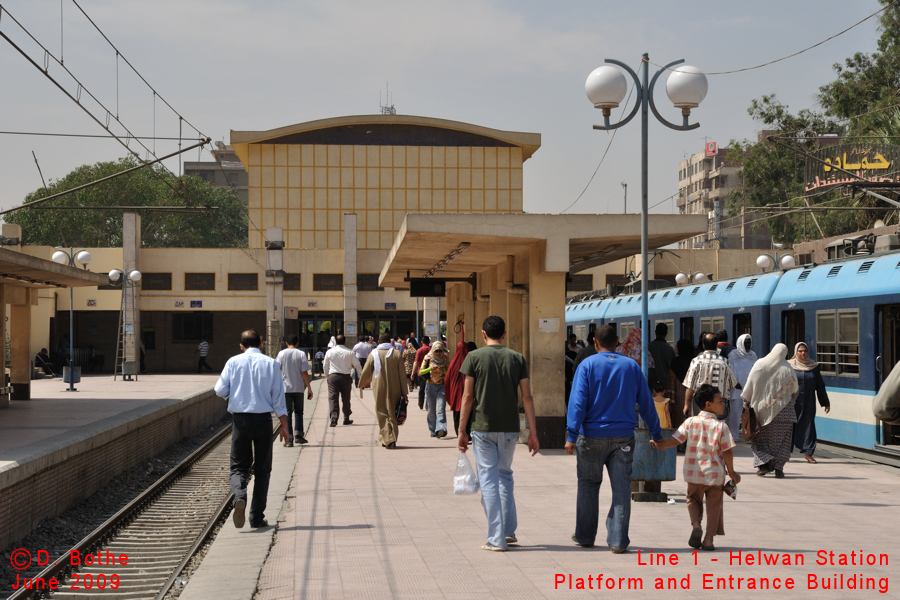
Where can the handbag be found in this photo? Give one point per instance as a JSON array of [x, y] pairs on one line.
[[749, 424], [400, 412]]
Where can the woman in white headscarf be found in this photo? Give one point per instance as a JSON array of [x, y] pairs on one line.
[[741, 359], [770, 390], [811, 386]]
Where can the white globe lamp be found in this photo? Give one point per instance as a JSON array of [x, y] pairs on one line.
[[699, 277], [681, 279], [787, 261], [686, 88], [83, 257], [605, 88], [114, 275], [763, 262], [134, 276], [60, 257]]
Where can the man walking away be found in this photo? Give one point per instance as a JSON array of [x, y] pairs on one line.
[[384, 370], [663, 354], [251, 382], [362, 350], [600, 426], [339, 360], [203, 349], [421, 353], [295, 374], [708, 367], [494, 376]]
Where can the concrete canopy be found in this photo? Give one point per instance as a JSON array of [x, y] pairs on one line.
[[22, 270], [571, 243]]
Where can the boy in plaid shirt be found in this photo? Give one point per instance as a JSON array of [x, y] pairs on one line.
[[709, 445]]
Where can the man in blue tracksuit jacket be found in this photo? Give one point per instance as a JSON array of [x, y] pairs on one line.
[[600, 426]]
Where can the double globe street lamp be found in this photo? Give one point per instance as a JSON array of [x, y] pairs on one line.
[[71, 257], [606, 87], [130, 278]]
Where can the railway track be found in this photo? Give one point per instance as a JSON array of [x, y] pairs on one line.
[[141, 550]]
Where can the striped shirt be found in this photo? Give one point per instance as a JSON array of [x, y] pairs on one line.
[[707, 439], [203, 348], [710, 368]]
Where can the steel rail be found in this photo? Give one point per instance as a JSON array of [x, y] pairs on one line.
[[106, 530]]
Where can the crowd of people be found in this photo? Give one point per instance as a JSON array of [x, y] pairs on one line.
[[703, 393]]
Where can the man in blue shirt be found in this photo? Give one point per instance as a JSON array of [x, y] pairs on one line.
[[251, 382], [600, 426]]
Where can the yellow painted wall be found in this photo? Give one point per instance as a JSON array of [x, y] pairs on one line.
[[306, 188]]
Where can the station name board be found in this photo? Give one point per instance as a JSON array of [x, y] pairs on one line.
[[873, 162]]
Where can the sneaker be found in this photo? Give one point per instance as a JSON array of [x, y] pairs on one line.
[[238, 514], [511, 539], [289, 444], [493, 548], [334, 422], [302, 440], [577, 543], [615, 550], [348, 422]]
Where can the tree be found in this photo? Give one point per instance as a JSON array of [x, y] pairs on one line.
[[150, 186]]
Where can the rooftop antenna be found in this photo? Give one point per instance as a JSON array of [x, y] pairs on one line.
[[387, 109]]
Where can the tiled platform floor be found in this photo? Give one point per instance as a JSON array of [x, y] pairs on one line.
[[360, 521]]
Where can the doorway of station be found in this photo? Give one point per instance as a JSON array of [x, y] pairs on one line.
[[315, 329], [889, 357], [398, 324]]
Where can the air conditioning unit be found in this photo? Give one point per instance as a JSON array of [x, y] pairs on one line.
[[886, 243]]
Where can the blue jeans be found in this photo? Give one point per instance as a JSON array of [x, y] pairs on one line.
[[434, 397], [493, 461], [617, 454]]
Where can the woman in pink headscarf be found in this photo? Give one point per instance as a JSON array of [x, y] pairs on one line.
[[631, 348]]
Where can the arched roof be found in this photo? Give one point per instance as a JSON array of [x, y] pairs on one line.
[[386, 130]]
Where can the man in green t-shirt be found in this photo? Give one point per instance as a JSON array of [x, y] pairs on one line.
[[494, 376]]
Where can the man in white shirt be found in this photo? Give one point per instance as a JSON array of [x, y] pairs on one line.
[[203, 349], [362, 350], [295, 374], [339, 361]]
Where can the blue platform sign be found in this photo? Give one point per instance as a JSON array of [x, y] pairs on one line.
[[196, 303], [390, 306]]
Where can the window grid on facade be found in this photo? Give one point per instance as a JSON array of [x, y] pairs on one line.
[[328, 282], [292, 282], [367, 282], [192, 327], [156, 281], [199, 281], [307, 189], [580, 283], [243, 282]]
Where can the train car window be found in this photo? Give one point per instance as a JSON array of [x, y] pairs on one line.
[[670, 336], [579, 332], [848, 343], [826, 348], [624, 330], [793, 328], [712, 324]]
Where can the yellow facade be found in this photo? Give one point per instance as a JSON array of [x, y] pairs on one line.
[[306, 188]]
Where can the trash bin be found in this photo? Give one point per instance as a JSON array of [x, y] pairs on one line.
[[649, 464], [77, 375]]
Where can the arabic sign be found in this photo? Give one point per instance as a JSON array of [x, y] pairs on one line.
[[872, 162], [711, 149]]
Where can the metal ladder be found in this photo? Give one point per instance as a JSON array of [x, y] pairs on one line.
[[123, 366]]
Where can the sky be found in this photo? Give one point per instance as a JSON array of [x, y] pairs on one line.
[[517, 66]]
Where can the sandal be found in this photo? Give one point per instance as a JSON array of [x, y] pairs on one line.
[[810, 460]]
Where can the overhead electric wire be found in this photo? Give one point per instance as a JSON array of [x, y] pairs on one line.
[[88, 135], [772, 62]]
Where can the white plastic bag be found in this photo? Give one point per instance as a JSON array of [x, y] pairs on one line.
[[465, 481]]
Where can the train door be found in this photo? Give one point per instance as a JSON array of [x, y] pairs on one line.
[[592, 328], [687, 329], [890, 356], [742, 325], [793, 329]]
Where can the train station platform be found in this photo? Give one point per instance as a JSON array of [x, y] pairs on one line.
[[60, 447], [359, 521]]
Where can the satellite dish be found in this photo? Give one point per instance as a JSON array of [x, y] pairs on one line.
[[878, 224], [220, 145]]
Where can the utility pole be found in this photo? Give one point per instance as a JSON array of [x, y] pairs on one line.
[[625, 187]]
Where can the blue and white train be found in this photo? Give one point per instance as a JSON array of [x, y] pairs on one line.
[[846, 310]]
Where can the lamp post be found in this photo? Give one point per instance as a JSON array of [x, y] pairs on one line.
[[606, 88], [70, 257], [784, 260], [131, 278]]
